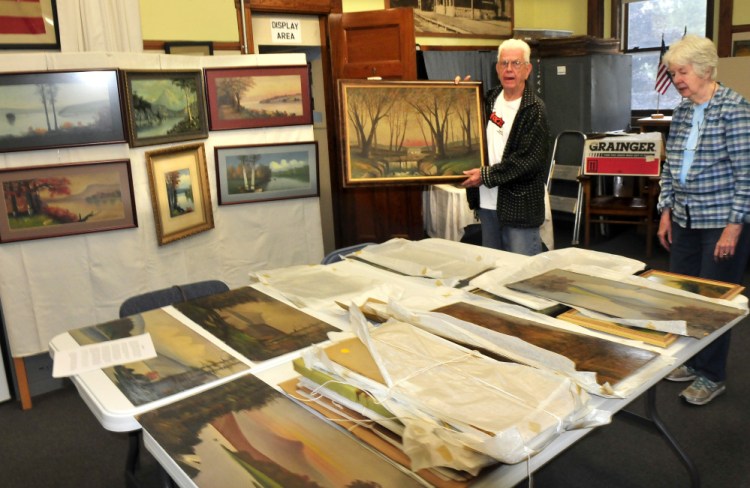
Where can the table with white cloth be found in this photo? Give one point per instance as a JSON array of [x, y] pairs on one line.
[[117, 415]]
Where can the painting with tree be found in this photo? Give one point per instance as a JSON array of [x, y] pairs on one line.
[[66, 199], [50, 109], [165, 106], [401, 132], [179, 191], [246, 98]]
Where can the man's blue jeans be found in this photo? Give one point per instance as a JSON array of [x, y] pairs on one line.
[[521, 240]]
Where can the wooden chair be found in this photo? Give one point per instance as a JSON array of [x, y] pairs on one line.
[[634, 207]]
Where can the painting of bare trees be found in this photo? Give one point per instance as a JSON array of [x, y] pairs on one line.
[[410, 132], [66, 199], [53, 109], [246, 98]]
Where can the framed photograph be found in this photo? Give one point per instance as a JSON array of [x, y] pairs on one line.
[[165, 106], [460, 18], [66, 199], [410, 132], [245, 98], [29, 25], [52, 109], [741, 44], [179, 192], [191, 48], [258, 173]]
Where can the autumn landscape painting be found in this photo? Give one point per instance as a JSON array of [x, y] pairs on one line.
[[410, 132], [66, 199]]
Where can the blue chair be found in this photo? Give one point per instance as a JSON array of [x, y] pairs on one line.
[[150, 301], [339, 254]]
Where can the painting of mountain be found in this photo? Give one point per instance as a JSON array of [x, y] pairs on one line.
[[246, 433]]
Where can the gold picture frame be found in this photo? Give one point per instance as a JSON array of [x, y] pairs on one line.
[[701, 286], [180, 194], [410, 132]]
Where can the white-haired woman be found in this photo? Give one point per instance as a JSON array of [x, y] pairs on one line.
[[508, 193], [705, 193]]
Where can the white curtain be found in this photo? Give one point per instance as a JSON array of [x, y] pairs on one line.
[[100, 25]]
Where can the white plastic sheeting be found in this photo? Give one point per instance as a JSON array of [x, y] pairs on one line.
[[461, 409]]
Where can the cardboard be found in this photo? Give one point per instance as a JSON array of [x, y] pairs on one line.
[[628, 155]]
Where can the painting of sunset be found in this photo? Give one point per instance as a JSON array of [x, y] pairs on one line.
[[246, 433]]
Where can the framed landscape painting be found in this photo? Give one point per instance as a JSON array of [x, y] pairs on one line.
[[246, 98], [29, 25], [66, 199], [179, 192], [410, 132], [50, 109], [265, 172], [165, 106]]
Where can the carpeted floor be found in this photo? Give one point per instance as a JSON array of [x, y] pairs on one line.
[[59, 443]]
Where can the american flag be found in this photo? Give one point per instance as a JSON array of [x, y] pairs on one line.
[[662, 76], [24, 17]]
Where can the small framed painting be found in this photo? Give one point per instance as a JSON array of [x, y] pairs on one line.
[[179, 192], [245, 98], [66, 199], [51, 109], [257, 173], [165, 106]]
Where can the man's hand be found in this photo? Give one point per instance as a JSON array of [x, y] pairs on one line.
[[473, 178]]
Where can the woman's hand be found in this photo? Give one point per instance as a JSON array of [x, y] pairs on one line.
[[665, 229], [727, 243]]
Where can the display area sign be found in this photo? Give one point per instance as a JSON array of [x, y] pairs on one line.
[[628, 155], [286, 31]]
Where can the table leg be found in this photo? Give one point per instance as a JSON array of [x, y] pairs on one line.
[[653, 419], [23, 383], [131, 462]]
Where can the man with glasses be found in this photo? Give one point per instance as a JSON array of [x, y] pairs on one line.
[[508, 193]]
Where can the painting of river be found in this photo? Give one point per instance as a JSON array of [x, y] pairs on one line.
[[59, 109], [266, 172], [165, 106], [50, 201], [240, 98]]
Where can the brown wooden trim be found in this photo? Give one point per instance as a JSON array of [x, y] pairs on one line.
[[616, 19], [294, 6], [724, 44], [23, 383], [248, 29], [154, 45], [595, 18], [478, 47], [741, 28]]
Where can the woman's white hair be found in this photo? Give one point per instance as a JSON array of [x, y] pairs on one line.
[[515, 44], [697, 51]]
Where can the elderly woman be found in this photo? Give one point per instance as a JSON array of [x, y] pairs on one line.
[[705, 193], [508, 194]]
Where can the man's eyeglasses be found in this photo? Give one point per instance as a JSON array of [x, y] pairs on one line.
[[513, 64]]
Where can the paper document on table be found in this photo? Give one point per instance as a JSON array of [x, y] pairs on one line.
[[102, 355]]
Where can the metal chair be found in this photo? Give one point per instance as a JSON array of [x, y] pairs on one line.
[[563, 187], [150, 301], [339, 254]]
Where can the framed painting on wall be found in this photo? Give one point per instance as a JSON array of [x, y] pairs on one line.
[[460, 18], [264, 172], [66, 199], [179, 192], [410, 132], [246, 98], [51, 109], [165, 106], [29, 25]]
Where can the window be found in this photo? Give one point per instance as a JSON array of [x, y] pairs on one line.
[[645, 23]]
